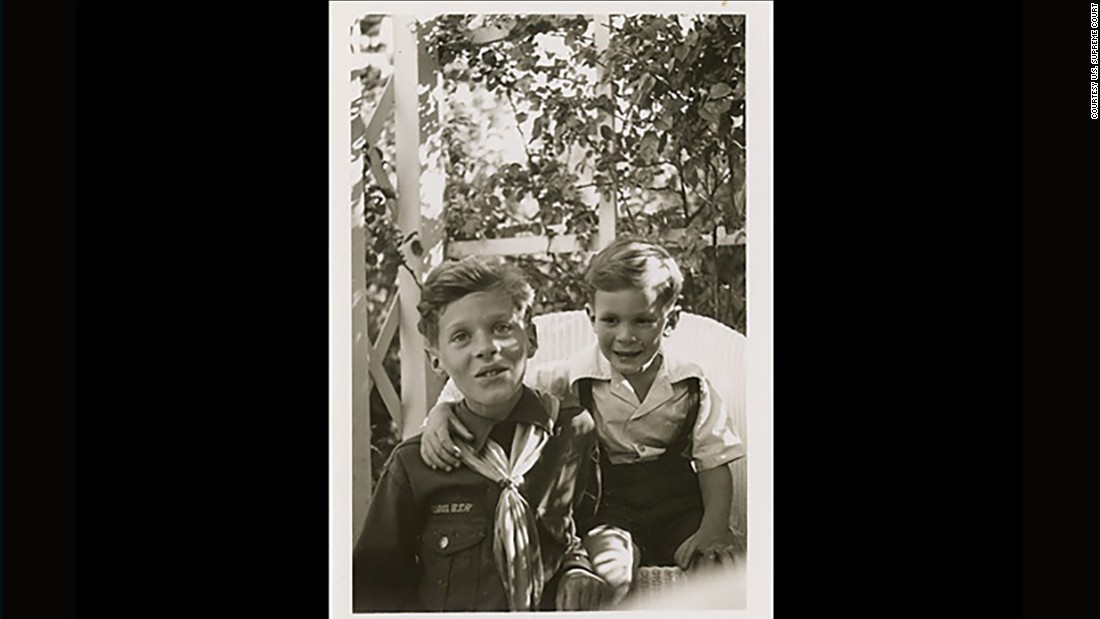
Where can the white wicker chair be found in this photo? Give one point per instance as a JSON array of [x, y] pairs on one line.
[[719, 351]]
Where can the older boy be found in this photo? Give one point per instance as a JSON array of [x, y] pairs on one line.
[[665, 437], [498, 534]]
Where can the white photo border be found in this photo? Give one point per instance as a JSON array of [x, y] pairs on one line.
[[759, 280]]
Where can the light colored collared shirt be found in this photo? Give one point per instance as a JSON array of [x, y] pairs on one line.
[[633, 430]]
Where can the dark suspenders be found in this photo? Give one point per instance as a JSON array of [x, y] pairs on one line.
[[679, 447]]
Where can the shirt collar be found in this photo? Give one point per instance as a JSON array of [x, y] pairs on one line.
[[590, 363], [530, 409]]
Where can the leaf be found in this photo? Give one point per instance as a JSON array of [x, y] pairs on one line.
[[645, 84], [668, 117], [470, 226], [739, 92], [717, 108], [719, 90], [692, 40], [606, 133], [521, 117], [707, 113], [649, 146], [691, 175]]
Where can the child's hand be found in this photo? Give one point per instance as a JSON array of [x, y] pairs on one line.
[[715, 546], [614, 558], [436, 447], [582, 590]]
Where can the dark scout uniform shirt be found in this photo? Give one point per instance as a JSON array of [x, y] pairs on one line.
[[427, 544]]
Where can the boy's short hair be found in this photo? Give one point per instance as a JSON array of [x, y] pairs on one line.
[[630, 263], [455, 279]]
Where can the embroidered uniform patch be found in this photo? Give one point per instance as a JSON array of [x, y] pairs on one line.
[[452, 508]]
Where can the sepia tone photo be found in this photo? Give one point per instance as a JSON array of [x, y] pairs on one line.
[[541, 360]]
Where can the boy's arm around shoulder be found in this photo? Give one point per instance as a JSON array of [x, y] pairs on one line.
[[384, 561], [441, 428], [553, 377]]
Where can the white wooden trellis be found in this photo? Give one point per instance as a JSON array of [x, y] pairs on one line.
[[413, 94], [361, 131]]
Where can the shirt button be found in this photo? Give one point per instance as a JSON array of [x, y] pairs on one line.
[[444, 542]]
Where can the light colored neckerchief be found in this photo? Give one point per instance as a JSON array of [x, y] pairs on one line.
[[515, 536]]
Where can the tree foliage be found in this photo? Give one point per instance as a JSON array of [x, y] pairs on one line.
[[382, 237], [654, 121]]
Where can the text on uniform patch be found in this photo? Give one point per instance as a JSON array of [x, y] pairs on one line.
[[452, 508]]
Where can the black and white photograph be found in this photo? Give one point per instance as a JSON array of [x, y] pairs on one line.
[[717, 309], [541, 231]]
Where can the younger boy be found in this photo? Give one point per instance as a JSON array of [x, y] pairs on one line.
[[498, 534], [665, 437]]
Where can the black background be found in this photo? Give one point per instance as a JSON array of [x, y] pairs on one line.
[[166, 320]]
